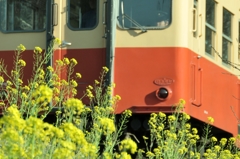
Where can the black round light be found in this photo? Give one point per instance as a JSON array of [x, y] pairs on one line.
[[163, 93]]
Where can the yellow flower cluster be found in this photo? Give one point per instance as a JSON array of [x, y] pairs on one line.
[[128, 145], [1, 79], [74, 104], [123, 155], [105, 69], [73, 83], [37, 50], [210, 120], [21, 48], [43, 94], [65, 62], [71, 136], [128, 113], [107, 125], [57, 41], [175, 138], [21, 63], [78, 75], [73, 61], [89, 92]]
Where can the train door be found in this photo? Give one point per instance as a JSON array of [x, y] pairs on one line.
[[81, 28], [22, 22], [196, 71]]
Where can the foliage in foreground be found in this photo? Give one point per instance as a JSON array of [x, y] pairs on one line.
[[91, 131], [172, 137], [80, 131]]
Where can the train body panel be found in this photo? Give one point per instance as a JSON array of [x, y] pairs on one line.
[[142, 71], [208, 89], [90, 63]]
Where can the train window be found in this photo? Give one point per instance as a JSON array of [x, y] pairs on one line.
[[227, 22], [83, 14], [210, 26], [226, 40], [145, 14], [22, 15]]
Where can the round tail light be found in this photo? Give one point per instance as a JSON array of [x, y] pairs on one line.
[[163, 93]]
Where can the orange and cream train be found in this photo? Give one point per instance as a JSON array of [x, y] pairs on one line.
[[158, 51]]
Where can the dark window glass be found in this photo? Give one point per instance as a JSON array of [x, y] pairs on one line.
[[22, 15], [83, 14], [210, 12], [226, 40], [227, 22], [226, 49], [210, 26], [144, 13], [208, 41]]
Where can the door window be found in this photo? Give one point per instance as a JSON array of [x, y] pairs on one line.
[[82, 14]]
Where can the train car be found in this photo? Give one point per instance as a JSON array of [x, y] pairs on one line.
[[158, 51], [167, 50]]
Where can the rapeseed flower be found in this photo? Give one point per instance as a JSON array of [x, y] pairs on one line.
[[145, 138], [107, 125], [43, 94], [1, 80], [21, 48], [194, 131], [128, 113], [73, 83], [50, 68], [149, 154], [73, 61], [59, 62], [73, 133], [223, 141], [210, 120], [217, 148], [9, 83], [66, 61], [214, 139], [57, 41], [78, 75], [128, 145], [232, 140], [185, 116], [21, 63], [171, 118], [37, 50], [123, 155], [117, 97], [63, 153], [74, 104], [162, 115], [105, 69]]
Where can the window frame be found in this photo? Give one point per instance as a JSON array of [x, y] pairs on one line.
[[13, 30], [227, 38], [144, 28], [212, 29], [82, 29]]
